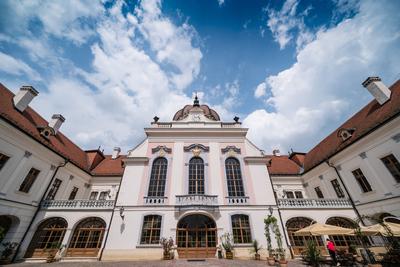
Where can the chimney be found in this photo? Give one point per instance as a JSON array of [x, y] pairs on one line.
[[116, 152], [56, 121], [377, 89], [24, 97], [276, 152]]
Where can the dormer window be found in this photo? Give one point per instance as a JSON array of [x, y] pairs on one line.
[[346, 133]]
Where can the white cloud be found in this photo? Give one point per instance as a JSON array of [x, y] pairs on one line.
[[221, 2], [63, 19], [172, 44], [261, 90], [17, 67], [287, 22], [128, 85], [323, 86]]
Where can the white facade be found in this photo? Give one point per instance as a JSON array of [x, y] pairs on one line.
[[116, 203]]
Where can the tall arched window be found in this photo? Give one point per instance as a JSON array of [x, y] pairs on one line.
[[234, 178], [87, 237], [299, 242], [158, 178], [342, 240], [196, 176], [241, 229], [48, 234]]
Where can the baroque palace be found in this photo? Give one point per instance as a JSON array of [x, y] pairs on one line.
[[193, 179]]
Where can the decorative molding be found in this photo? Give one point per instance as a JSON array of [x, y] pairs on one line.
[[263, 160], [71, 177], [363, 155], [197, 147], [231, 150], [396, 138], [305, 184], [161, 150], [321, 177], [339, 167], [87, 185], [27, 154], [357, 202], [137, 160], [52, 167], [388, 194]]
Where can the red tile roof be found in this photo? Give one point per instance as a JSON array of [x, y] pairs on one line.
[[29, 121], [109, 167], [282, 165], [365, 121]]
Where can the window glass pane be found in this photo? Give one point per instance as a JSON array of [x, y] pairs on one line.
[[241, 229], [337, 188], [289, 194], [158, 178], [151, 229], [298, 194], [318, 192], [3, 160], [393, 165], [196, 176], [93, 195], [234, 178], [29, 180], [54, 189], [73, 193], [362, 180]]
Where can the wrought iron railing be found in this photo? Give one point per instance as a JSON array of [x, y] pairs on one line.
[[77, 204], [314, 203], [197, 200], [154, 200]]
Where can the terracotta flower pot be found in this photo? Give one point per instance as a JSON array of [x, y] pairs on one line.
[[257, 257], [359, 259], [229, 255], [374, 265], [271, 261], [283, 263], [166, 256]]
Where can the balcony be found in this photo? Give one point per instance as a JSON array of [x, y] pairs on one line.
[[237, 200], [291, 203], [77, 204], [197, 201], [154, 200]]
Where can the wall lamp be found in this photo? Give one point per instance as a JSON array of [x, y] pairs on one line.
[[121, 212], [271, 210]]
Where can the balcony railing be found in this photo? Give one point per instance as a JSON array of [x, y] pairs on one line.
[[154, 200], [313, 203], [197, 200], [238, 200], [77, 204]]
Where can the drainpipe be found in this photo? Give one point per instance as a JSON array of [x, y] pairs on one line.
[[111, 219], [280, 217], [347, 191], [38, 209]]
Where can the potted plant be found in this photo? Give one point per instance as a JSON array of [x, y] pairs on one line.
[[312, 254], [227, 244], [268, 221], [167, 244], [255, 249], [52, 251], [278, 237], [8, 252]]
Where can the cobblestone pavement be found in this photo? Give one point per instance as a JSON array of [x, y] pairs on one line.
[[173, 263]]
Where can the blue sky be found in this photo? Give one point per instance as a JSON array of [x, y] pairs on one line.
[[291, 70]]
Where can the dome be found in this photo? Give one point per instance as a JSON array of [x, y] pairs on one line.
[[184, 112]]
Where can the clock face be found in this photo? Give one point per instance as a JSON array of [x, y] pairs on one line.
[[196, 117]]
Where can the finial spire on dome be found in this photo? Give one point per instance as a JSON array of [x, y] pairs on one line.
[[196, 102]]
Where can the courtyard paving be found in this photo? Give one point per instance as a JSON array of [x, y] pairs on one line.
[[173, 263]]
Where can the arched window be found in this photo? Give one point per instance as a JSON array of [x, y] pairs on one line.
[[158, 178], [234, 178], [151, 229], [49, 233], [341, 240], [87, 238], [196, 176], [299, 242], [241, 229]]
